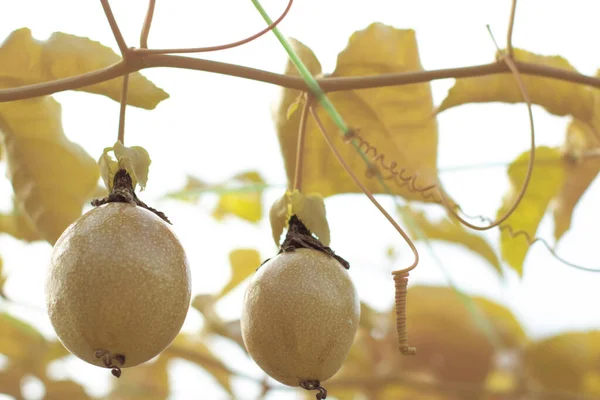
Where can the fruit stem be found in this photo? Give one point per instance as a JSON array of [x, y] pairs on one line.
[[121, 134], [300, 146]]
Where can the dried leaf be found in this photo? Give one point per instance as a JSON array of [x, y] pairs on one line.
[[52, 177], [564, 362], [243, 204], [452, 231], [556, 96], [135, 160], [398, 121], [580, 173], [546, 182], [26, 61], [193, 348], [243, 263]]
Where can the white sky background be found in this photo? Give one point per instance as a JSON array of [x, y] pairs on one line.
[[215, 126]]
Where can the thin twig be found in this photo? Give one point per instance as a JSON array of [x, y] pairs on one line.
[[451, 209], [121, 136], [114, 27], [511, 23], [286, 81], [298, 173], [147, 23], [144, 49]]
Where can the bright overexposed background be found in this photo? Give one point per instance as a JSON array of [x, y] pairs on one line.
[[215, 126]]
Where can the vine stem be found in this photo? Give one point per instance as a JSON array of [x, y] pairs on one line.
[[122, 109], [289, 82], [298, 173], [365, 190], [114, 27]]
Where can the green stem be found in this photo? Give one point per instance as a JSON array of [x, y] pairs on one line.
[[314, 87]]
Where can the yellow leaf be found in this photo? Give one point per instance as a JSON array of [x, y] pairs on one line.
[[52, 177], [450, 340], [243, 204], [192, 348], [293, 107], [2, 277], [21, 343], [397, 121], [564, 362], [452, 231], [134, 160], [191, 191], [310, 210], [556, 96], [61, 390], [213, 323], [243, 263], [279, 217], [580, 173], [149, 381], [26, 61], [545, 184], [18, 225]]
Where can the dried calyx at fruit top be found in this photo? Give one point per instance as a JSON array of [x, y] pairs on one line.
[[299, 237], [122, 192]]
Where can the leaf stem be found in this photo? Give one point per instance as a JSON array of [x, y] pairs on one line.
[[121, 135], [298, 172], [147, 24], [114, 27], [511, 24], [525, 95], [313, 85], [144, 50]]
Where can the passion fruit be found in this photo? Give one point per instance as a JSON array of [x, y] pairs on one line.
[[118, 286], [300, 314]]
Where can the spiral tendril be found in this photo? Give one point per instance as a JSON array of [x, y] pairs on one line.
[[401, 282]]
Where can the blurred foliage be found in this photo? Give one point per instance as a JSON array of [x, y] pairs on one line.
[[463, 343]]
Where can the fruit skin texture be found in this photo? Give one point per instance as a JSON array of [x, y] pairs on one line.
[[300, 315], [118, 281]]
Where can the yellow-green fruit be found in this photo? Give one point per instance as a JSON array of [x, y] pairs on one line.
[[300, 315], [118, 285]]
